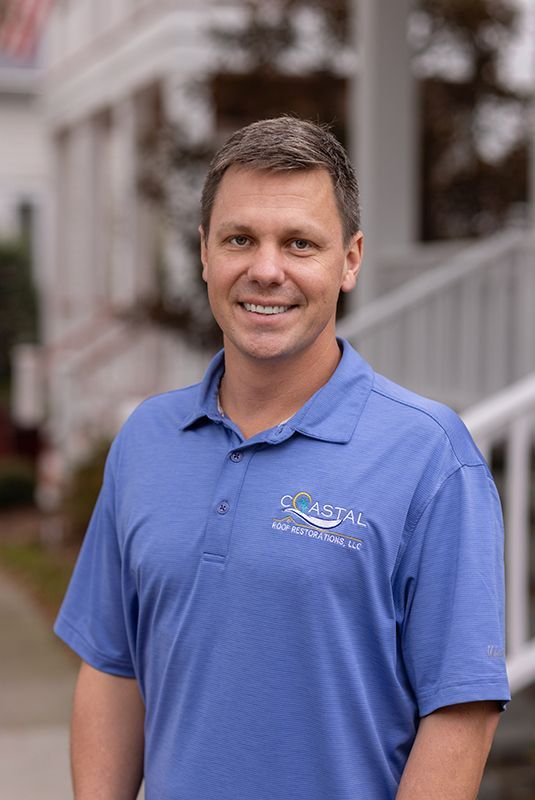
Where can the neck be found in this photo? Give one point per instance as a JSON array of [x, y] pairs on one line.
[[258, 395]]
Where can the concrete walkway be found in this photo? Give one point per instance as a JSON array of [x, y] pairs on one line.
[[36, 684]]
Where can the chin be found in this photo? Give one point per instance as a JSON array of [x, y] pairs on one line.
[[266, 351]]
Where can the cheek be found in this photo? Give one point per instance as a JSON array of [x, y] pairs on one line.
[[327, 285], [223, 272], [219, 289], [216, 279], [214, 295]]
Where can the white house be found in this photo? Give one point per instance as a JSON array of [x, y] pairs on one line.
[[24, 189], [112, 68], [463, 331], [24, 156]]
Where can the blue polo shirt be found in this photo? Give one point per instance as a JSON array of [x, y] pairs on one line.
[[292, 604]]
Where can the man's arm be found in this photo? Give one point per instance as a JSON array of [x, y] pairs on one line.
[[449, 753], [106, 737]]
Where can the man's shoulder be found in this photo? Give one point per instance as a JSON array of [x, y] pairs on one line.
[[412, 412]]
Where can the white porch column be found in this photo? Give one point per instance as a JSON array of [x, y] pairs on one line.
[[122, 285], [383, 133], [530, 22], [188, 105], [50, 276], [74, 229], [531, 163]]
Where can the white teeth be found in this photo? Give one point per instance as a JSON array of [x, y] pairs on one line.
[[265, 309]]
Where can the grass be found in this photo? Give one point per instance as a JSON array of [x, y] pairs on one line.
[[43, 572]]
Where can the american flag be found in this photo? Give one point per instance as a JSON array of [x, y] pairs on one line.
[[21, 22]]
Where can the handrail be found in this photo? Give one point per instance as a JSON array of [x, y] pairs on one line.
[[411, 294], [490, 416], [80, 336], [461, 331], [509, 417]]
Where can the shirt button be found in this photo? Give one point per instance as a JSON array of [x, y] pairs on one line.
[[223, 507], [236, 456]]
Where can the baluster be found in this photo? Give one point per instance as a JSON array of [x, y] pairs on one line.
[[516, 541], [470, 336], [497, 361], [525, 312]]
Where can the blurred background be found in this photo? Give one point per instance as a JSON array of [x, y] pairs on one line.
[[109, 113]]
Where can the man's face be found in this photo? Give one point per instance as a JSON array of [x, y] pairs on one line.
[[275, 261]]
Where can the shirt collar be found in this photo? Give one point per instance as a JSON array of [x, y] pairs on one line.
[[331, 414], [206, 405]]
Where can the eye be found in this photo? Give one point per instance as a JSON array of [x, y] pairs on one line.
[[301, 244], [239, 241]]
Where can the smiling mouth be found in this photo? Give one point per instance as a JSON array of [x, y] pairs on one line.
[[265, 309]]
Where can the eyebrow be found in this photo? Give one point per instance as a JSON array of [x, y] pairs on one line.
[[307, 231], [232, 227]]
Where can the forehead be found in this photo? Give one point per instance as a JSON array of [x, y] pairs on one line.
[[250, 194]]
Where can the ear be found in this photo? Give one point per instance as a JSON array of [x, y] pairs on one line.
[[353, 261], [204, 253]]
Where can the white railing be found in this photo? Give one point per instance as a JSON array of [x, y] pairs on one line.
[[88, 380], [460, 332], [97, 383], [507, 420]]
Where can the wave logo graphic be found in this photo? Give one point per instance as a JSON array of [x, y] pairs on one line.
[[301, 504]]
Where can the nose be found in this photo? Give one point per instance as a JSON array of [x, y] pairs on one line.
[[266, 266]]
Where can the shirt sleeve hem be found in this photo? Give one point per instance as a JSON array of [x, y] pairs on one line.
[[65, 631], [467, 693]]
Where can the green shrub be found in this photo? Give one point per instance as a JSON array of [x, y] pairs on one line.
[[82, 492], [44, 573], [18, 301], [17, 483]]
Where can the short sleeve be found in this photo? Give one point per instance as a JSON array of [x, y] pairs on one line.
[[449, 591], [92, 619]]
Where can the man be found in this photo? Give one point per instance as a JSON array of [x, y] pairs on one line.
[[291, 586]]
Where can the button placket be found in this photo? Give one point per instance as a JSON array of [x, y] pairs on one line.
[[220, 521]]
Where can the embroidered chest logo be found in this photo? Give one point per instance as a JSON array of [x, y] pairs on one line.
[[303, 516]]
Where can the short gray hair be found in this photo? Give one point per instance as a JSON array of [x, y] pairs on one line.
[[283, 144]]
